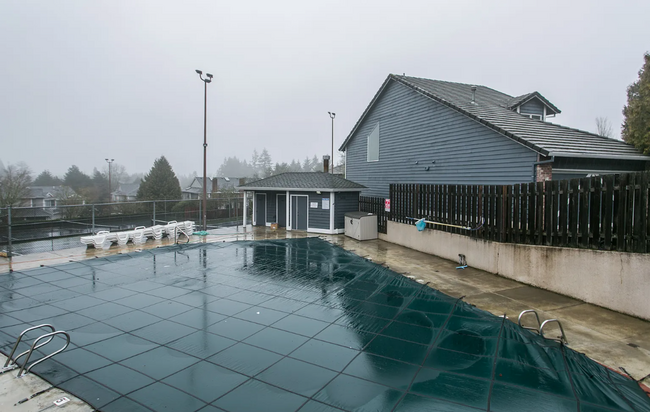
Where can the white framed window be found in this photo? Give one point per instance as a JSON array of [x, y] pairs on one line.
[[373, 145], [535, 116]]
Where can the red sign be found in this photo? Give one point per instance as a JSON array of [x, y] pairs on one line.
[[387, 205]]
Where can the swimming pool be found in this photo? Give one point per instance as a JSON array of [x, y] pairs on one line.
[[286, 325]]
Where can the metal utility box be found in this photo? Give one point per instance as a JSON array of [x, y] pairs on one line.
[[361, 225]]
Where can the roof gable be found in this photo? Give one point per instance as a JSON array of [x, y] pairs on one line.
[[525, 98]]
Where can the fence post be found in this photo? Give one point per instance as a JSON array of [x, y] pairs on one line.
[[93, 217], [9, 237], [154, 213]]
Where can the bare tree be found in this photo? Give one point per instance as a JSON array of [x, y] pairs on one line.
[[604, 127], [14, 183], [67, 197]]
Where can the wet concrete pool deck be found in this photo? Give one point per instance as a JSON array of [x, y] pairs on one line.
[[613, 339]]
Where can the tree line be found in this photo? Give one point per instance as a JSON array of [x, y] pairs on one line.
[[261, 165], [75, 186], [161, 182]]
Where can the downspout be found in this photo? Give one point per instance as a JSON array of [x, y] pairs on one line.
[[543, 162]]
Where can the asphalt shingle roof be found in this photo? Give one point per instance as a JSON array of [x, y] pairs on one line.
[[37, 192], [303, 180], [127, 189], [494, 109]]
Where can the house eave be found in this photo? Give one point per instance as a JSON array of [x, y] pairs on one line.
[[298, 189], [640, 158], [365, 112]]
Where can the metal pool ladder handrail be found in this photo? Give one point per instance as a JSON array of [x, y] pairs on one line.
[[539, 323], [182, 230], [561, 338], [11, 363], [34, 346]]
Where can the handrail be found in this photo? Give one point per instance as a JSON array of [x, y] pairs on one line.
[[182, 230], [51, 336], [539, 323], [561, 338], [11, 363]]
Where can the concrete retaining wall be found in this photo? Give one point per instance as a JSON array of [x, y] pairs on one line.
[[614, 280]]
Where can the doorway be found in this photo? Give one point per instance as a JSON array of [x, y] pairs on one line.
[[260, 209], [281, 210], [299, 212]]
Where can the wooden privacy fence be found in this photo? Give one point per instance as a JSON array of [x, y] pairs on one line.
[[603, 212], [375, 205]]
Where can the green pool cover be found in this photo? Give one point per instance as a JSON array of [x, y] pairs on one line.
[[289, 325]]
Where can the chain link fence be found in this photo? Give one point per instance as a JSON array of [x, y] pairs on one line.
[[25, 230]]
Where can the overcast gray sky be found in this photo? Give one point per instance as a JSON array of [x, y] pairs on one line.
[[84, 80]]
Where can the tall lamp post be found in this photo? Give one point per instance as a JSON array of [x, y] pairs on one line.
[[207, 80], [110, 187], [332, 116]]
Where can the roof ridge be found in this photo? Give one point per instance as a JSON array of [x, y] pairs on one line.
[[458, 83]]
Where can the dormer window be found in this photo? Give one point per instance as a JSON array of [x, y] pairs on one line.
[[534, 106]]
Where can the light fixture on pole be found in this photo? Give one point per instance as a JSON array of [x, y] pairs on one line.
[[110, 187], [332, 115], [207, 80]]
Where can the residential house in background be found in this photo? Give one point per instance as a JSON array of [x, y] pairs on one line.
[[44, 202], [126, 192], [430, 131], [312, 201], [215, 185]]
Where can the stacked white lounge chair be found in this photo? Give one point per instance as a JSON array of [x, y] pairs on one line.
[[139, 235]]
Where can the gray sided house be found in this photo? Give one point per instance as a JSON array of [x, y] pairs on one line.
[[126, 192], [44, 202], [429, 131], [311, 201], [215, 185]]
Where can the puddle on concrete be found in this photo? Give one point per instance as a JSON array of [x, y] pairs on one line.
[[286, 325]]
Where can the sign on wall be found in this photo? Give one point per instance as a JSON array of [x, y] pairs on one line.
[[313, 205], [387, 205], [326, 203]]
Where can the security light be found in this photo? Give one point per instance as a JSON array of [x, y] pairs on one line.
[[199, 72], [209, 75]]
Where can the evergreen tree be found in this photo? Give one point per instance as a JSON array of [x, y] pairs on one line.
[[100, 186], [46, 179], [295, 166], [233, 167], [281, 168], [265, 163], [76, 179], [160, 183], [636, 123], [255, 163], [316, 165]]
